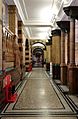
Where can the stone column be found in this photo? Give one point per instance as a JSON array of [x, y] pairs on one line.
[[0, 34], [72, 42], [56, 46], [71, 11], [62, 47], [13, 26], [64, 25], [68, 47], [20, 42], [47, 56], [56, 53], [72, 79], [63, 65], [13, 22], [16, 53], [68, 53]]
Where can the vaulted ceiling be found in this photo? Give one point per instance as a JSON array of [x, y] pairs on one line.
[[39, 16]]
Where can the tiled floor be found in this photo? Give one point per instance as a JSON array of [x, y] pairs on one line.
[[39, 98], [74, 98]]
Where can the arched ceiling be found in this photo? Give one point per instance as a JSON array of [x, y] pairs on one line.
[[39, 16]]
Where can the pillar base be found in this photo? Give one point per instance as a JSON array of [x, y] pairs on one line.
[[47, 66], [56, 71], [63, 74], [72, 79]]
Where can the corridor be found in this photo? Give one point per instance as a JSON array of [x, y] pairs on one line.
[[38, 59], [39, 98]]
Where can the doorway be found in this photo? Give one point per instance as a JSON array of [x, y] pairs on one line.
[[37, 57]]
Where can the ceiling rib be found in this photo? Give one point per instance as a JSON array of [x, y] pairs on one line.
[[25, 9], [38, 24]]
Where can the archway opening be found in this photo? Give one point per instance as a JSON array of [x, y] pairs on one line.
[[38, 57]]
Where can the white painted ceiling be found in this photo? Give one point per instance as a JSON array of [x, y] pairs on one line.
[[39, 16]]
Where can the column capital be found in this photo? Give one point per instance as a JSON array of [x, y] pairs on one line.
[[71, 11], [64, 25], [56, 32]]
